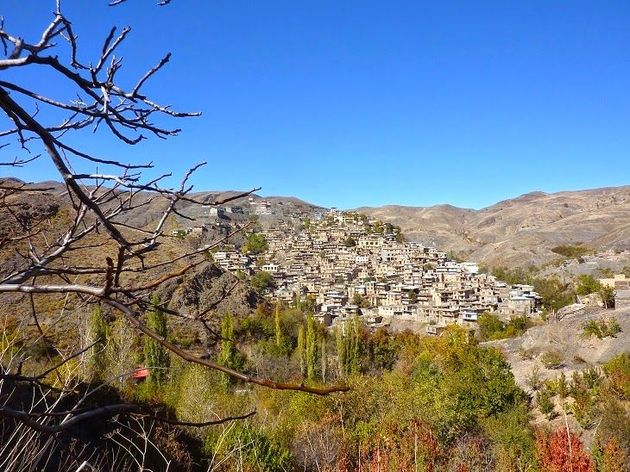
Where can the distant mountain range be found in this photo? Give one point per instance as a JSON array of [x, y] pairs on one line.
[[520, 231]]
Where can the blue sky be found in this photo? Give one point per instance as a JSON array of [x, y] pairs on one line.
[[370, 103]]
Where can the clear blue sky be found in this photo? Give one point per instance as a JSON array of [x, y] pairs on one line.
[[369, 103]]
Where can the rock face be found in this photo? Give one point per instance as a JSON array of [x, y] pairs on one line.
[[521, 231], [204, 289], [566, 338], [209, 289]]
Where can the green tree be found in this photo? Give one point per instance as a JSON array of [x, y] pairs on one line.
[[545, 403], [572, 251], [512, 276], [341, 351], [297, 300], [512, 439], [608, 296], [324, 357], [554, 293], [360, 301], [311, 347], [587, 284], [262, 281], [156, 357], [97, 335], [349, 242], [301, 350], [489, 325], [278, 327], [353, 350], [227, 349], [255, 243]]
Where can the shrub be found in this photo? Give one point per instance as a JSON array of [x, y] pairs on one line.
[[551, 359], [545, 403], [585, 410], [561, 385], [562, 451], [587, 284], [572, 251], [533, 379], [244, 445], [601, 328], [614, 458], [261, 281], [491, 327], [618, 372]]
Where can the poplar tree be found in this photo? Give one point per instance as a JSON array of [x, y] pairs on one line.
[[155, 356], [354, 359], [301, 347], [324, 357], [227, 351], [97, 335], [311, 347], [341, 351], [278, 327]]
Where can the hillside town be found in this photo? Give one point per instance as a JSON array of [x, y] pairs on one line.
[[346, 264]]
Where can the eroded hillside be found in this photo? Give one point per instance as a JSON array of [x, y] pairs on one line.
[[521, 231]]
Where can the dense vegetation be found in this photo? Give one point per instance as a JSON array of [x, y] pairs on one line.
[[491, 327], [597, 400], [572, 251], [255, 243], [416, 403], [555, 293]]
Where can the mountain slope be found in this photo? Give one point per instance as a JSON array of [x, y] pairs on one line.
[[515, 232], [520, 231]]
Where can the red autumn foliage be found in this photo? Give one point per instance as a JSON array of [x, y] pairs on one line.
[[562, 451]]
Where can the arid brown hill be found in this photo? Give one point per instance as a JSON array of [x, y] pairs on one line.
[[43, 209], [521, 231]]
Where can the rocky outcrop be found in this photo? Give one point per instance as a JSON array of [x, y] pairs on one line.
[[209, 289], [566, 338]]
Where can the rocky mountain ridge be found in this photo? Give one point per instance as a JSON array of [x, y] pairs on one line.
[[521, 231], [518, 232]]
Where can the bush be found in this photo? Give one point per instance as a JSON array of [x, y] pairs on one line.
[[533, 379], [255, 244], [545, 403], [261, 281], [572, 251], [587, 284], [601, 328], [491, 327], [618, 372], [562, 451], [551, 359], [243, 443], [585, 408]]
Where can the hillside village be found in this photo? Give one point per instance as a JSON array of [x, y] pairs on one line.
[[346, 264]]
